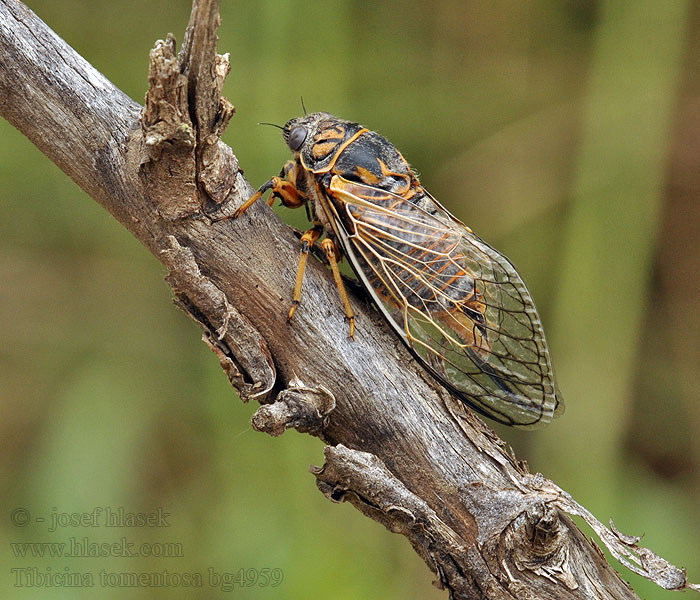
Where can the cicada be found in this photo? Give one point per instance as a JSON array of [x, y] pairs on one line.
[[458, 305]]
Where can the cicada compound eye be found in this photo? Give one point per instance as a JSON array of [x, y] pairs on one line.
[[296, 137]]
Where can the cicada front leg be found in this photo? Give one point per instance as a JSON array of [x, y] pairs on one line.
[[282, 187]]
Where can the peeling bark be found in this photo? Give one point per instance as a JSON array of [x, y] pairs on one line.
[[399, 448]]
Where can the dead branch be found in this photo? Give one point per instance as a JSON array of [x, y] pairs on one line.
[[398, 447]]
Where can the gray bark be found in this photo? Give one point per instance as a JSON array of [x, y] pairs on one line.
[[399, 448]]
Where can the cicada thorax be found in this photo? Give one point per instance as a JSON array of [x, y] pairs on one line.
[[357, 154]]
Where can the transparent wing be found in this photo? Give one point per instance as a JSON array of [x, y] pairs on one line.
[[459, 305]]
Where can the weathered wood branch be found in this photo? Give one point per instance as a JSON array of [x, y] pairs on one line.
[[398, 447]]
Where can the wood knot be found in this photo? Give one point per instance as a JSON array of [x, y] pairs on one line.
[[305, 409], [538, 543]]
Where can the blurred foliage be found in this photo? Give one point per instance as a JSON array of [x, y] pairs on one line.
[[565, 133]]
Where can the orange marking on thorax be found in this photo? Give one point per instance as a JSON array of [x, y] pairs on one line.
[[341, 147], [332, 133], [367, 176], [320, 151], [387, 173]]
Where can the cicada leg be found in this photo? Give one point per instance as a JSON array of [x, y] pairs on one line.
[[307, 241], [333, 254], [282, 187]]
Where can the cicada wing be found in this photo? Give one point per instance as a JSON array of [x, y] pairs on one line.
[[457, 303]]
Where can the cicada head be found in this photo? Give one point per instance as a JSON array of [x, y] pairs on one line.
[[302, 129]]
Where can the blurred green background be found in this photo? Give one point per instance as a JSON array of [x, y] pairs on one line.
[[567, 134]]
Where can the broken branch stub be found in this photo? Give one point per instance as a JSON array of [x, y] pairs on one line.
[[296, 407], [182, 121], [168, 162], [185, 166]]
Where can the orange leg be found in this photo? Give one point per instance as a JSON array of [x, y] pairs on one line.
[[282, 187], [333, 254], [307, 241]]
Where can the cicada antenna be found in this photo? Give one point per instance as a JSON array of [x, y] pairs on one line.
[[272, 124], [302, 106]]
